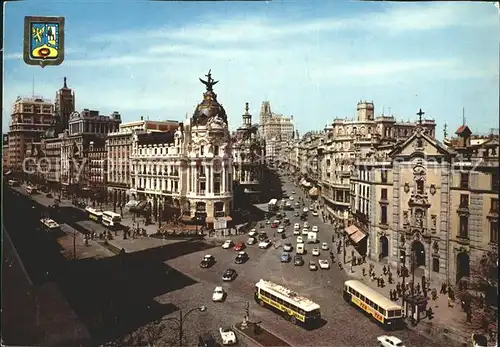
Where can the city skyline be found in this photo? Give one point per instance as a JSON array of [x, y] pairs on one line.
[[431, 60]]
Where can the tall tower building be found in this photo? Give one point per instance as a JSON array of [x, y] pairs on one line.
[[64, 105], [265, 112], [247, 117]]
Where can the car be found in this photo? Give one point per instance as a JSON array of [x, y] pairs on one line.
[[265, 244], [293, 191], [207, 261], [479, 340], [296, 226], [239, 246], [315, 228], [389, 341], [241, 258], [305, 231], [306, 225], [274, 225], [285, 257], [305, 209], [298, 260], [251, 241], [296, 232], [315, 252], [262, 237], [206, 340], [252, 232], [277, 221], [49, 195], [286, 221], [280, 230], [296, 214], [261, 225], [218, 295], [313, 266], [268, 222], [287, 247], [229, 275], [324, 264], [227, 244], [324, 246], [315, 214], [303, 216], [300, 239], [227, 336], [291, 198]]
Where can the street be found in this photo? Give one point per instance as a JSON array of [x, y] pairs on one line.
[[343, 322]]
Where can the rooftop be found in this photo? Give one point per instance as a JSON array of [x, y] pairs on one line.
[[156, 138]]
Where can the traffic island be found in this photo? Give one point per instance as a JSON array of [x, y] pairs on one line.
[[260, 335]]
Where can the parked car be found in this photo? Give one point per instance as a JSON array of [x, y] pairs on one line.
[[280, 230], [315, 252], [49, 195], [239, 246], [262, 236], [251, 241], [293, 191], [305, 231], [207, 261], [274, 225], [324, 264], [296, 231], [305, 209], [241, 258], [252, 232], [229, 275], [296, 214], [206, 340], [324, 246], [227, 244], [315, 228], [389, 341], [306, 225], [287, 247], [296, 226], [227, 336], [300, 239], [265, 244], [285, 257], [218, 295], [298, 260], [315, 214], [479, 340], [313, 266]]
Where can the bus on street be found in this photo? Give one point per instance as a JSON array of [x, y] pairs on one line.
[[273, 205], [94, 214], [111, 219], [295, 308], [384, 311]]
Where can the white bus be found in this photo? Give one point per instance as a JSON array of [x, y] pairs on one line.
[[383, 310], [273, 205], [298, 309], [111, 219], [94, 214], [49, 224]]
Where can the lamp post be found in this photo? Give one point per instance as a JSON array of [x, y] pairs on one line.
[[180, 321]]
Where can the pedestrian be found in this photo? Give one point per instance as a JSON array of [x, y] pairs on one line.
[[449, 302], [351, 268], [398, 287], [398, 271], [434, 294], [390, 278], [481, 300], [418, 287], [363, 270], [384, 270], [378, 281], [382, 282]]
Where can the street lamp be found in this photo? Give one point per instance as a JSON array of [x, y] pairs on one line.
[[180, 321]]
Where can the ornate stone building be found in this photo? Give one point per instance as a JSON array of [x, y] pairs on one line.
[[187, 173], [274, 129], [407, 205], [248, 157]]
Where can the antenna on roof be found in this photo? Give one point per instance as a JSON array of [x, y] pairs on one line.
[[445, 128], [463, 115]]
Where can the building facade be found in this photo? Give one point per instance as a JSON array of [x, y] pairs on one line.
[[248, 157], [119, 150], [274, 129], [5, 152], [421, 202], [29, 120], [187, 173]]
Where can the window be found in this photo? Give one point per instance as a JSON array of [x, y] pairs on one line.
[[216, 150], [464, 227], [383, 214], [435, 264], [464, 180], [494, 205], [494, 231], [384, 176], [420, 187], [464, 201], [495, 184], [202, 149], [384, 194]]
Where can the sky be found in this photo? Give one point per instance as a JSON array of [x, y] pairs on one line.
[[314, 60]]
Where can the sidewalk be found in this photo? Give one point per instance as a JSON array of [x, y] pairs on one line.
[[446, 320]]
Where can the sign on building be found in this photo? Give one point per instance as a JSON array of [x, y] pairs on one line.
[[220, 223]]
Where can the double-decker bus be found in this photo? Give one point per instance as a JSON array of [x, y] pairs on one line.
[[377, 306], [111, 219], [273, 205], [297, 309], [50, 224], [94, 214]]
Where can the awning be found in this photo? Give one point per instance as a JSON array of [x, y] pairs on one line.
[[8, 172], [355, 234], [314, 191]]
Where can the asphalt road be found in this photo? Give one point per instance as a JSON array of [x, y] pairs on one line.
[[345, 325]]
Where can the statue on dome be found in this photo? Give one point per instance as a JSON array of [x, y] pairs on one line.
[[210, 82]]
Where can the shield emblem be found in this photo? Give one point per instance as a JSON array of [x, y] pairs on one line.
[[43, 40]]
